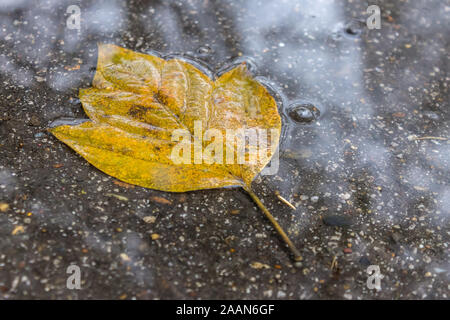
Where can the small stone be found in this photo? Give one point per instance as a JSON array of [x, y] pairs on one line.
[[337, 221], [399, 114], [259, 265], [347, 250], [34, 121], [396, 237], [149, 219], [267, 293], [314, 199], [155, 236], [57, 262], [431, 115], [365, 261], [124, 257], [303, 197], [4, 207], [281, 295], [345, 196], [428, 274], [204, 50], [303, 113], [160, 200]]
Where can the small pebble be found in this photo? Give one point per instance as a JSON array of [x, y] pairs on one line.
[[345, 196], [267, 293], [396, 237], [259, 265], [365, 261], [4, 206], [303, 113], [149, 219], [155, 236], [426, 259], [125, 257], [337, 221]]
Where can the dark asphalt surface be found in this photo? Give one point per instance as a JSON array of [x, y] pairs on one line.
[[366, 189]]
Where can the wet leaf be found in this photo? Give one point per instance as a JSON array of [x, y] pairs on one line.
[[139, 101]]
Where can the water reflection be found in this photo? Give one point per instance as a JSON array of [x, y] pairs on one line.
[[374, 89]]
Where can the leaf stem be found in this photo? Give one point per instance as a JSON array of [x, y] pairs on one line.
[[276, 225]]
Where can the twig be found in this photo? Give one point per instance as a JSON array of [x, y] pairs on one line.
[[333, 263], [297, 255], [277, 193]]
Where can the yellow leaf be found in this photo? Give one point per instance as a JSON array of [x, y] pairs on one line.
[[163, 124]]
